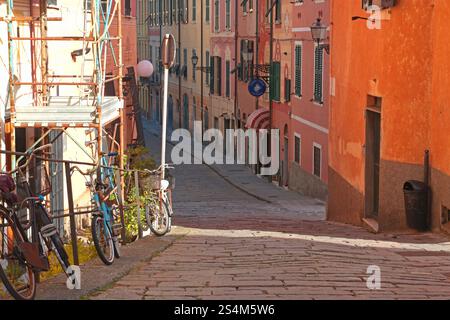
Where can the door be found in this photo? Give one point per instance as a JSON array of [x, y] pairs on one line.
[[373, 151]]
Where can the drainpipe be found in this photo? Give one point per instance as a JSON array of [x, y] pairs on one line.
[[236, 52], [179, 60], [269, 147], [160, 57], [201, 68], [426, 180], [257, 49]]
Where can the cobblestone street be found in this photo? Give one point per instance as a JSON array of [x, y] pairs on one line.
[[237, 246]]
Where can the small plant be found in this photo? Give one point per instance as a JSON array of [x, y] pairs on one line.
[[86, 252], [130, 212]]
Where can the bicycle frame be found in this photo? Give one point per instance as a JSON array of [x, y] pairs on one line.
[[104, 210]]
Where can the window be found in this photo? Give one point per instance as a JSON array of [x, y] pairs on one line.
[[216, 15], [52, 2], [194, 53], [194, 10], [128, 7], [297, 149], [157, 16], [183, 11], [278, 12], [244, 7], [317, 158], [227, 73], [207, 10], [318, 75], [298, 70], [185, 58], [244, 71], [88, 4], [208, 63], [215, 84], [287, 89], [275, 80], [174, 18], [228, 14]]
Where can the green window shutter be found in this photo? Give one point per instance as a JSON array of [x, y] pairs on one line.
[[298, 71], [318, 75], [287, 90], [211, 76], [227, 75], [275, 81], [219, 76]]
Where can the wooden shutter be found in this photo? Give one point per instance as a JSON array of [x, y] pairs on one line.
[[287, 90], [275, 81], [227, 75], [318, 75], [219, 76], [211, 75], [298, 71]]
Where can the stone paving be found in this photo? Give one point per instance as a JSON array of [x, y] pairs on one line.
[[239, 247]]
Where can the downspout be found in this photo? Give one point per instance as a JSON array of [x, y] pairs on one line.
[[236, 52], [179, 62], [201, 68]]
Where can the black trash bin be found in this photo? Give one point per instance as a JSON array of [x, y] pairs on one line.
[[416, 204]]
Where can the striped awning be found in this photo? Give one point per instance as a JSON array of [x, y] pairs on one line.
[[259, 119]]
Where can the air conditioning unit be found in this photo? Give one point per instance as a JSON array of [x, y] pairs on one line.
[[383, 4]]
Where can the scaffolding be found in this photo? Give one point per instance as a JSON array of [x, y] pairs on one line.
[[90, 109]]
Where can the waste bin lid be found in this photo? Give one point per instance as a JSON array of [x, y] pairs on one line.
[[414, 185]]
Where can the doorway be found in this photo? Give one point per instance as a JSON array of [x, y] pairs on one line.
[[373, 151]]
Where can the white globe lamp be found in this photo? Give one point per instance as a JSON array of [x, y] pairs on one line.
[[145, 69]]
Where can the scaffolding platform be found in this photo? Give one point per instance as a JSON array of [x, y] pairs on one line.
[[67, 112]]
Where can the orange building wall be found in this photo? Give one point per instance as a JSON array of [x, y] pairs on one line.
[[129, 50], [397, 64]]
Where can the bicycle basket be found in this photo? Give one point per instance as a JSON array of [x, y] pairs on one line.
[[153, 181]]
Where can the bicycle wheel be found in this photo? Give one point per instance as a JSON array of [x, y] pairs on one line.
[[103, 240], [17, 276], [158, 218], [117, 245]]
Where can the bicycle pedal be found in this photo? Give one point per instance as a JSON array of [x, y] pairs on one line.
[[116, 228], [48, 230]]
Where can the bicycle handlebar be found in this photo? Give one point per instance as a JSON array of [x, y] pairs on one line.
[[30, 156], [166, 166]]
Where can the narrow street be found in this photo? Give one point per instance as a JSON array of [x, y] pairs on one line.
[[246, 239]]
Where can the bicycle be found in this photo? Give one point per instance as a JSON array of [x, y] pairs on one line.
[[20, 257], [159, 215], [104, 230]]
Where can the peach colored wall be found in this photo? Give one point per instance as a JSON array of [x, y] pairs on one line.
[[405, 63]]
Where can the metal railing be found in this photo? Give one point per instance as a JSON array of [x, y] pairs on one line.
[[73, 212]]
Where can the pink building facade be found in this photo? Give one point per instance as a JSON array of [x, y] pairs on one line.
[[221, 62], [308, 172]]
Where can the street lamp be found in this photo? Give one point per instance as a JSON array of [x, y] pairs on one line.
[[194, 60], [319, 35]]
